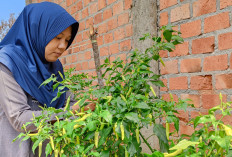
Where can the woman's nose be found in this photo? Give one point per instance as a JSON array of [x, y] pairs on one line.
[[62, 45]]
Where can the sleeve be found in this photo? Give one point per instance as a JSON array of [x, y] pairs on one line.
[[13, 101]]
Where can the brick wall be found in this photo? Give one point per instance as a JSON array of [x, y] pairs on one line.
[[113, 20], [200, 68]]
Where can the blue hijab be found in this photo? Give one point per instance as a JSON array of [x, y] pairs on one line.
[[23, 49]]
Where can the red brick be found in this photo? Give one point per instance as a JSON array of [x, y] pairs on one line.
[[114, 48], [74, 58], [78, 37], [80, 57], [98, 18], [128, 4], [123, 19], [214, 63], [163, 54], [104, 51], [180, 50], [84, 66], [183, 115], [122, 56], [68, 3], [87, 55], [223, 81], [85, 13], [112, 23], [211, 100], [203, 45], [102, 28], [201, 82], [195, 114], [78, 16], [224, 41], [217, 22], [190, 65], [171, 67], [79, 5], [86, 2], [108, 38], [125, 45], [111, 1], [186, 129], [100, 40], [167, 3], [107, 14], [93, 8], [163, 18], [167, 97], [202, 7], [177, 83], [194, 31], [81, 26], [89, 22], [165, 81], [118, 8], [195, 99], [73, 9], [129, 30], [225, 3], [180, 13], [227, 120], [119, 34], [91, 65], [101, 4]]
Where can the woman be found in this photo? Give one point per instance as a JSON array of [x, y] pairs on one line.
[[28, 56]]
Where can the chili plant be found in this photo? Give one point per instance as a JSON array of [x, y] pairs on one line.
[[125, 104]]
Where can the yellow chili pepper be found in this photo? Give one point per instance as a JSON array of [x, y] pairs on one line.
[[83, 118], [64, 131], [152, 90], [52, 142], [173, 154], [77, 102], [56, 152], [33, 134], [128, 93], [76, 126], [40, 148], [167, 130], [126, 153], [115, 126], [96, 138], [67, 104], [123, 98], [137, 134], [78, 139], [122, 131]]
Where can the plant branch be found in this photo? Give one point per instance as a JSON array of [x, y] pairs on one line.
[[146, 142], [93, 38]]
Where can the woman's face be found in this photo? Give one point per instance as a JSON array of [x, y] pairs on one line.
[[58, 45]]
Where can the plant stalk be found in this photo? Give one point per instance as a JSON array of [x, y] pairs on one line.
[[146, 142]]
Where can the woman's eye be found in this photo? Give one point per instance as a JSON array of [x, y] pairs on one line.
[[58, 37]]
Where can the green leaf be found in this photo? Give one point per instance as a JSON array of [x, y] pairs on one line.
[[92, 125], [48, 149], [142, 105], [88, 148], [104, 134], [160, 132], [167, 35], [105, 153], [95, 153], [132, 116], [106, 115], [184, 144]]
